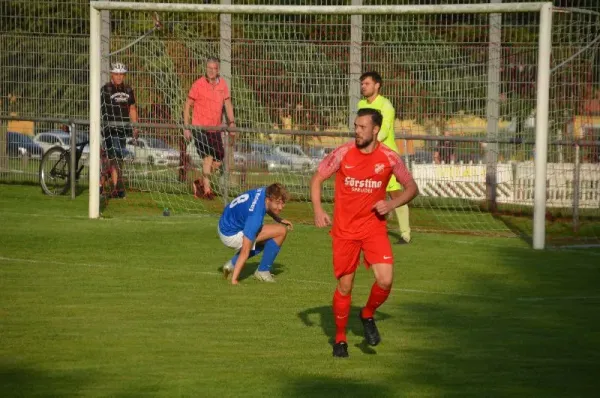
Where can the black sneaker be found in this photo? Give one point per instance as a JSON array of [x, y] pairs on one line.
[[371, 332], [401, 241], [340, 350]]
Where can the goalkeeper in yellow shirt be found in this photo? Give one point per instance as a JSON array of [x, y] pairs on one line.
[[370, 84]]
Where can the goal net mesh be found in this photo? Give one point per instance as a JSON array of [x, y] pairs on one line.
[[294, 85]]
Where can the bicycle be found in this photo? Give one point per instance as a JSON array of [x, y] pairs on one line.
[[55, 169]]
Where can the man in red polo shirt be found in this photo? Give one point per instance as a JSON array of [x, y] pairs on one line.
[[207, 97]]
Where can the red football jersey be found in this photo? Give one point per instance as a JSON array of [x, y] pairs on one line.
[[360, 182]]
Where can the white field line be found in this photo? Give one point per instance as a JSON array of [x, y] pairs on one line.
[[580, 249], [194, 218], [330, 284], [31, 261], [189, 218]]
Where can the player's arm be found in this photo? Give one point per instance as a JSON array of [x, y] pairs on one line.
[[133, 112], [409, 192], [251, 229], [133, 115], [189, 103], [321, 217], [242, 258], [387, 126], [326, 168], [229, 112], [280, 220]]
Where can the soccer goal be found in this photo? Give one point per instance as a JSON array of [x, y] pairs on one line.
[[492, 104]]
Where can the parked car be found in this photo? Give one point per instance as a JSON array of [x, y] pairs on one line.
[[262, 156], [420, 157], [239, 158], [52, 138], [153, 151], [319, 153], [128, 156], [299, 160], [19, 145]]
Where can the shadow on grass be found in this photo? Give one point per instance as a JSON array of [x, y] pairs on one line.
[[396, 238], [319, 386], [323, 318], [525, 334], [17, 380]]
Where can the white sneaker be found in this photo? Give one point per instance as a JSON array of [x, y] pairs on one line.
[[264, 276], [227, 269]]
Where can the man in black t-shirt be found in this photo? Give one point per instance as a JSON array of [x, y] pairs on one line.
[[118, 105]]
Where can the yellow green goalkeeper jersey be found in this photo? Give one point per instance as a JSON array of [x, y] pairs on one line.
[[383, 105]]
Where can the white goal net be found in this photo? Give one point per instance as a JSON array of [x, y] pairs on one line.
[[465, 83]]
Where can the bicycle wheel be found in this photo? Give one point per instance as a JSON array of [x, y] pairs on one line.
[[55, 170]]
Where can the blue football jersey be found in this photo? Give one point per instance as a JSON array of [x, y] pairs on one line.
[[245, 213]]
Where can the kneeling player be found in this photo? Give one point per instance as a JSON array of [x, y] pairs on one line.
[[363, 170], [241, 228]]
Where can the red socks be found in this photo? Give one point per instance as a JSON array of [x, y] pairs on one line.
[[376, 298], [341, 310]]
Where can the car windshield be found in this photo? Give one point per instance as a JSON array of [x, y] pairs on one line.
[[64, 138], [156, 143], [294, 150], [262, 149]]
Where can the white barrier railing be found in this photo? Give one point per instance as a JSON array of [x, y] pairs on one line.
[[515, 183]]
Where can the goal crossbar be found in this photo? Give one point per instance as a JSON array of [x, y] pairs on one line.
[[323, 10]]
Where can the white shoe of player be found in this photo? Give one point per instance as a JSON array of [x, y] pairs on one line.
[[264, 276], [227, 269]]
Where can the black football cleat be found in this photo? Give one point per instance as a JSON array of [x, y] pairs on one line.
[[371, 332], [340, 350]]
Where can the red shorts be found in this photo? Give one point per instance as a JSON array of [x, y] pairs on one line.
[[346, 253]]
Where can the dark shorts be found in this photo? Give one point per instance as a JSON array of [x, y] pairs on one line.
[[209, 144], [105, 165], [114, 141]]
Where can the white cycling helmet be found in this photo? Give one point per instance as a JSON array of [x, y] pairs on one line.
[[118, 67]]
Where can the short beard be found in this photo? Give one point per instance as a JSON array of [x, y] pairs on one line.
[[365, 144]]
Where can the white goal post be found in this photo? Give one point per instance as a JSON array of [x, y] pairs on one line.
[[544, 9]]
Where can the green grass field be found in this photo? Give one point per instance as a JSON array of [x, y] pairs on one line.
[[134, 305]]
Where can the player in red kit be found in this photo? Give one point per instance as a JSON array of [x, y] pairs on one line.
[[363, 169]]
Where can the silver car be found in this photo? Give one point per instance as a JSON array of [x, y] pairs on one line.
[[262, 156]]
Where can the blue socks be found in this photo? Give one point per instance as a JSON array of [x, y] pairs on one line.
[[252, 254], [271, 252]]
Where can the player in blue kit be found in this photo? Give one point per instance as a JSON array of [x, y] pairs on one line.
[[242, 228]]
